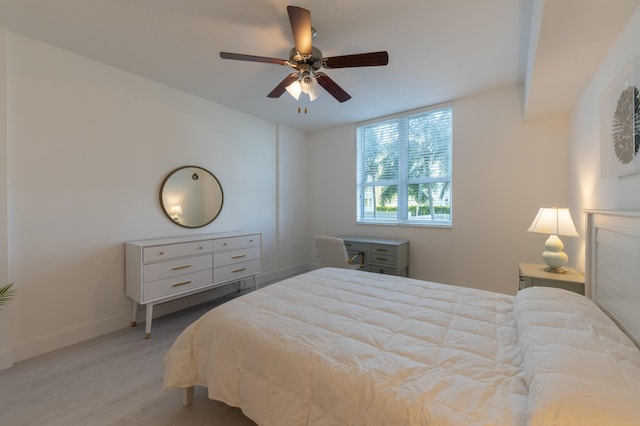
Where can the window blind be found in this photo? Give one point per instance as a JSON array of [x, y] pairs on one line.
[[404, 168]]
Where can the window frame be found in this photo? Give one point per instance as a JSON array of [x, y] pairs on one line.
[[402, 180]]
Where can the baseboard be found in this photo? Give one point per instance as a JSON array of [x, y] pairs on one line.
[[50, 342], [43, 344], [293, 271], [6, 359]]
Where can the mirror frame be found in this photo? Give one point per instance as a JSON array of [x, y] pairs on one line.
[[169, 214]]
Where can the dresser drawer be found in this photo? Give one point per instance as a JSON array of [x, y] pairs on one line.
[[154, 253], [238, 270], [236, 256], [575, 287], [233, 243], [170, 286], [173, 268]]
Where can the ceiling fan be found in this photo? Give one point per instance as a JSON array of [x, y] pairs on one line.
[[307, 60]]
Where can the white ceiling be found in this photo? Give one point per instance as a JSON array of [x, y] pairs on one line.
[[439, 50]]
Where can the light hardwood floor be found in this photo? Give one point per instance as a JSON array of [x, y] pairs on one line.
[[110, 380]]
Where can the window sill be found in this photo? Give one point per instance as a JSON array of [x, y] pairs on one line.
[[408, 224]]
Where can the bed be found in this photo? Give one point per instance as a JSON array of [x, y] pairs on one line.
[[344, 347]]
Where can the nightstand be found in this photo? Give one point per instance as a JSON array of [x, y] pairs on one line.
[[533, 274]]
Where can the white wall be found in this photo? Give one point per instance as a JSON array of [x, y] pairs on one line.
[[293, 213], [5, 328], [588, 189], [504, 169], [88, 148]]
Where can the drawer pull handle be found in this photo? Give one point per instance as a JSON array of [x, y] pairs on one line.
[[240, 256], [382, 250], [224, 244], [175, 268], [382, 259], [182, 283], [239, 270], [161, 253]]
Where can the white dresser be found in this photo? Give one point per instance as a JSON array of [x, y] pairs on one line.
[[164, 269]]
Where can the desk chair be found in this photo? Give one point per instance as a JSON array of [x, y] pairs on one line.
[[332, 252]]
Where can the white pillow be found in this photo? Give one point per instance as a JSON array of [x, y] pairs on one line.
[[579, 366]]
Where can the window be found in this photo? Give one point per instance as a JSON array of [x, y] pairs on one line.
[[404, 169]]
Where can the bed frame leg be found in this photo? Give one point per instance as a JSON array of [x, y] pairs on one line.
[[188, 396]]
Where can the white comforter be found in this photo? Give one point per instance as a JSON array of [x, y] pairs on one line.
[[341, 347]]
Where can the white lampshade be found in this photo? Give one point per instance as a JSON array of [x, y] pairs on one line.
[[306, 84], [310, 86], [294, 89], [554, 221]]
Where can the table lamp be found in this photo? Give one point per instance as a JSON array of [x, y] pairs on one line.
[[554, 221]]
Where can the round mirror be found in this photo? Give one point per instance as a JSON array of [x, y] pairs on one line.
[[191, 197]]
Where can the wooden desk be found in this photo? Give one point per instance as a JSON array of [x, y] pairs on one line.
[[386, 256]]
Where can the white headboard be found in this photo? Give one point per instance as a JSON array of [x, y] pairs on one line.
[[613, 266]]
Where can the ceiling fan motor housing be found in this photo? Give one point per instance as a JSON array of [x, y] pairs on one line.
[[301, 62]]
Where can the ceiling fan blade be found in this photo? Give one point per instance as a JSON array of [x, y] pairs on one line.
[[332, 87], [301, 28], [280, 88], [251, 58], [372, 59]]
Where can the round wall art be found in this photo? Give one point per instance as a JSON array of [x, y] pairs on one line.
[[620, 123], [625, 132]]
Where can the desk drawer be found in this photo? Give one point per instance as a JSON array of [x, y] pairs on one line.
[[173, 268], [234, 243], [236, 256], [381, 259], [154, 253], [356, 247], [238, 270], [170, 286], [382, 249], [384, 270]]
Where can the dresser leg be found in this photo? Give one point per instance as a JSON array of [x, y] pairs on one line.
[[147, 324], [134, 314], [255, 283]]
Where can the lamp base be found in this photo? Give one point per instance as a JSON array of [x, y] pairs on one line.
[[555, 270], [553, 256]]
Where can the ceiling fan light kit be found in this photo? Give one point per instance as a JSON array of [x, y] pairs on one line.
[[307, 60], [303, 88]]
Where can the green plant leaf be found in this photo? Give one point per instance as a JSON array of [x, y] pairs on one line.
[[7, 292]]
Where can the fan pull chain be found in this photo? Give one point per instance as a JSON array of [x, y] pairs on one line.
[[300, 100]]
